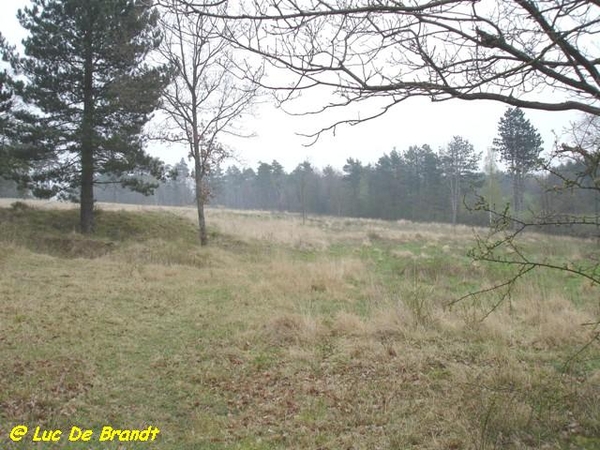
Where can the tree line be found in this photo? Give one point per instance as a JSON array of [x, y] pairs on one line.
[[417, 184]]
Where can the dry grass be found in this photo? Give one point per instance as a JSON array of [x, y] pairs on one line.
[[336, 334]]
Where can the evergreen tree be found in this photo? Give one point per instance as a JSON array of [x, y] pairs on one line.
[[332, 190], [88, 81], [278, 176], [249, 199], [215, 181], [177, 190], [519, 144], [388, 185], [423, 176], [353, 173], [305, 179], [264, 185]]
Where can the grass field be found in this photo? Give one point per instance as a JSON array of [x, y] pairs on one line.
[[336, 334]]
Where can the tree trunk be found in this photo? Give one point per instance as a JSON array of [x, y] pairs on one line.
[[87, 144], [517, 196], [454, 197], [302, 205], [492, 201], [200, 205], [200, 200], [198, 173]]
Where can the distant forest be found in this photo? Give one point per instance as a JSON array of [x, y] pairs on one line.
[[410, 185]]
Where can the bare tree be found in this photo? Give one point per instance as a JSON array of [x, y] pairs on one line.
[[441, 49], [582, 149], [210, 91]]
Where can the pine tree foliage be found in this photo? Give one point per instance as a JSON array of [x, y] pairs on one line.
[[519, 144], [5, 86], [92, 92]]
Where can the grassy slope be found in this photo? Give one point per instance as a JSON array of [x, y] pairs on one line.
[[331, 335]]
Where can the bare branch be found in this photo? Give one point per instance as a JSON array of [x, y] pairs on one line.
[[502, 51]]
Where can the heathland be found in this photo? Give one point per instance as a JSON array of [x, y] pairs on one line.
[[334, 334]]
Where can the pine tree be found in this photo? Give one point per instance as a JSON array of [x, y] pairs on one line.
[[88, 80], [278, 176], [423, 180], [305, 179], [264, 185], [519, 144], [390, 186], [353, 174]]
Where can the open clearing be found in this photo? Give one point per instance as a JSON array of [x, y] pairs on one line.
[[335, 334]]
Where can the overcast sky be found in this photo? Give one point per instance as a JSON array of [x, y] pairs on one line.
[[413, 122]]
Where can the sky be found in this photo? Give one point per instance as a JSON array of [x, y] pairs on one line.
[[415, 121]]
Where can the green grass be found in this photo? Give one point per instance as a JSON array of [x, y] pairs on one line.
[[333, 335]]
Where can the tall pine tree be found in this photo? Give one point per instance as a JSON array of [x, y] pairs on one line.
[[519, 144], [88, 81]]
